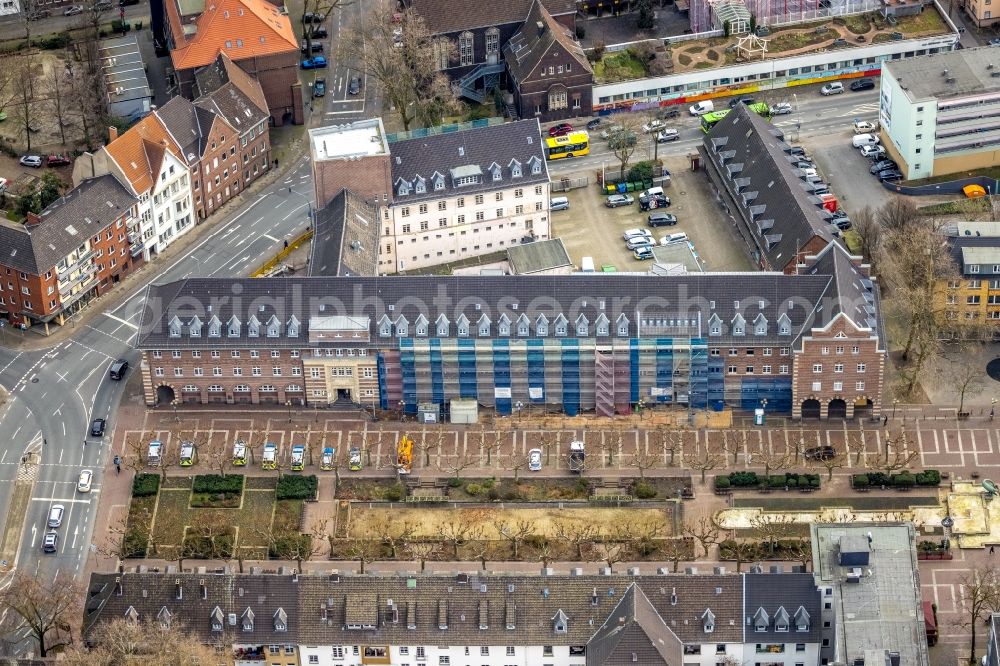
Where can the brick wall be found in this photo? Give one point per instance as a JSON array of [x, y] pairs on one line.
[[369, 177], [115, 262], [840, 363], [12, 281]]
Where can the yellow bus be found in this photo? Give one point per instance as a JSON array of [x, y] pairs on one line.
[[574, 144]]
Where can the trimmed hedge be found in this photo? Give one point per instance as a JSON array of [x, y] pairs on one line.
[[297, 487], [754, 480], [231, 484], [929, 477], [145, 485]]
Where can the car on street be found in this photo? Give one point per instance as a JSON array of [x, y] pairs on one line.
[[319, 86], [326, 461], [842, 223], [118, 369], [317, 62], [622, 138], [33, 161], [667, 135], [535, 460], [643, 253], [73, 10], [50, 543], [832, 89], [653, 126], [57, 160], [560, 129], [781, 109], [862, 84], [661, 219], [746, 100], [97, 427], [320, 33], [654, 201], [354, 87], [56, 514], [317, 47], [873, 152], [674, 239], [616, 200], [995, 41], [821, 453], [83, 483], [354, 459], [864, 127], [310, 17], [668, 112], [882, 165], [609, 130], [39, 14], [891, 174], [594, 124], [632, 233], [797, 150]]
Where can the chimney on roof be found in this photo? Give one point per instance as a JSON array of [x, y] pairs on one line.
[[32, 219], [112, 133], [541, 28]]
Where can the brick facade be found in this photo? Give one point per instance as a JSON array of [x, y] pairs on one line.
[[278, 75], [369, 177]]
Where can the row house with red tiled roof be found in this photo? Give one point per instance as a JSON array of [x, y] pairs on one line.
[[252, 33]]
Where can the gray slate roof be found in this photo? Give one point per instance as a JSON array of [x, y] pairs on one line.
[[479, 148], [444, 16], [859, 297], [652, 306], [65, 225], [189, 125], [346, 238], [515, 609], [528, 258], [983, 251], [224, 88], [122, 68], [752, 159], [529, 46], [922, 77], [794, 592]]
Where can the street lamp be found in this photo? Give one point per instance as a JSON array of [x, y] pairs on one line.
[[288, 404], [895, 401], [518, 406], [402, 414], [993, 408], [639, 406]]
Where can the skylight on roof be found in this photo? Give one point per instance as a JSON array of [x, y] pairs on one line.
[[70, 229]]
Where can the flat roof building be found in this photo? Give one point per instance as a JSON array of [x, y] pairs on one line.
[[940, 113]]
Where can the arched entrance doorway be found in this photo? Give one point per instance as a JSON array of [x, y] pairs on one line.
[[165, 395], [810, 408], [863, 408], [837, 409]]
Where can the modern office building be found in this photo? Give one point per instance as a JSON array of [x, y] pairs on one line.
[[809, 344], [940, 113], [486, 619]]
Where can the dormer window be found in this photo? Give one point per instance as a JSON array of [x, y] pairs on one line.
[[194, 327], [542, 326], [715, 325], [603, 325], [273, 327], [561, 325], [218, 619], [515, 169], [403, 188], [462, 325], [784, 325], [443, 327], [164, 617], [174, 327], [523, 325], [234, 327], [438, 182], [760, 325], [761, 620], [420, 326], [739, 325], [293, 327], [402, 327], [253, 327], [484, 326], [214, 327], [420, 187], [708, 620], [781, 620], [503, 326], [246, 622], [582, 326], [801, 619], [536, 166], [497, 173], [384, 327], [560, 622], [280, 620]]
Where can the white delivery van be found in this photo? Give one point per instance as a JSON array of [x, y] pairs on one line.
[[701, 108], [587, 264], [862, 140]]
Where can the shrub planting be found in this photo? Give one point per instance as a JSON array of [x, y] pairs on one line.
[[297, 487]]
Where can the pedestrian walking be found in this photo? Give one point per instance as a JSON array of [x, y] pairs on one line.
[[118, 469], [991, 550], [885, 419]]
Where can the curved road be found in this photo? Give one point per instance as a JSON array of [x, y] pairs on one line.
[[54, 393]]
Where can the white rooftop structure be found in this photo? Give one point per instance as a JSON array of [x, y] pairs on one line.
[[365, 138]]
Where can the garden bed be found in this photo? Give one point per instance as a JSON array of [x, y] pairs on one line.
[[773, 504], [752, 480], [661, 488], [211, 491], [140, 515], [386, 490], [780, 550], [930, 478], [525, 490], [619, 66]]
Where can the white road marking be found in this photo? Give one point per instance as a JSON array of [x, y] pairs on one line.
[[60, 501], [270, 237]]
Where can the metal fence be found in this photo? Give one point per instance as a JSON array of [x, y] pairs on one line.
[[567, 184], [443, 129]]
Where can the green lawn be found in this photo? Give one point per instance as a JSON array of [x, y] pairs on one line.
[[621, 66], [926, 21]]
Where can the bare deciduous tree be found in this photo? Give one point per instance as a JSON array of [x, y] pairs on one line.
[[703, 464], [422, 551], [577, 533], [625, 140], [148, 642], [47, 608], [981, 590], [704, 531], [24, 110], [515, 531], [869, 233]]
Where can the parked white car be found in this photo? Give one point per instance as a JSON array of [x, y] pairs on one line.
[[781, 109], [864, 127], [873, 152], [832, 89]]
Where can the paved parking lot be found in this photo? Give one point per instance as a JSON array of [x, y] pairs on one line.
[[845, 169], [591, 229]]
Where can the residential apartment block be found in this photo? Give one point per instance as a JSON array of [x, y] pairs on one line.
[[77, 249], [805, 343], [255, 34], [969, 295], [940, 113], [183, 161], [771, 201], [577, 620], [443, 197]]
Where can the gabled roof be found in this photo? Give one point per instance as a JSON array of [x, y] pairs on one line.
[[772, 602], [346, 238], [139, 151], [188, 128], [445, 16], [64, 226], [241, 28], [634, 633], [529, 47], [751, 158], [852, 294], [228, 91]]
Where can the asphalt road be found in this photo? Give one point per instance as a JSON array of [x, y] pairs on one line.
[[815, 115], [54, 393], [12, 26]]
